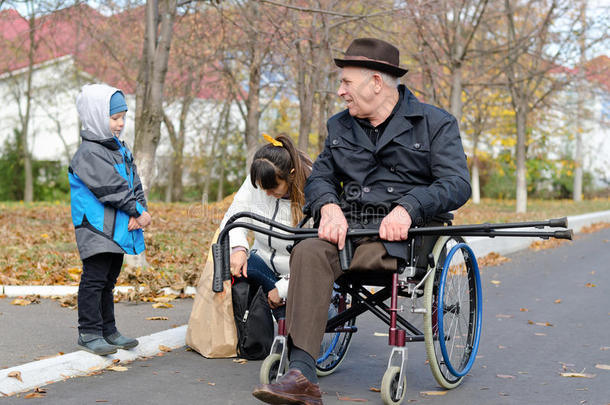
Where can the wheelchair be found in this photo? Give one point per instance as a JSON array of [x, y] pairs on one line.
[[440, 280]]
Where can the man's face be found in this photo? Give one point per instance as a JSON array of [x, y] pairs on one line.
[[117, 122], [356, 90]]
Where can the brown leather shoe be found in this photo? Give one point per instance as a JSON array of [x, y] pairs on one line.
[[292, 388]]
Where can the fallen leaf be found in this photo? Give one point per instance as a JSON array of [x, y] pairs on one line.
[[603, 366], [162, 305], [165, 298], [240, 361], [33, 395], [578, 375], [433, 393], [342, 398], [590, 285], [21, 302], [15, 374], [523, 310], [118, 368], [164, 348], [495, 282], [604, 348], [211, 383], [505, 376], [40, 390], [374, 389], [492, 259], [501, 347], [504, 394], [157, 318], [557, 301], [540, 323]]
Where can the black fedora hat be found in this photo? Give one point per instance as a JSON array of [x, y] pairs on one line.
[[374, 54]]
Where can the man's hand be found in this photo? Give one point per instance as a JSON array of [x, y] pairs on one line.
[[274, 300], [333, 225], [395, 226], [144, 219], [133, 224], [239, 263]]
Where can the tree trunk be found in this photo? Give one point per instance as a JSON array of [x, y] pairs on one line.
[[521, 120], [474, 172], [456, 92], [151, 79], [28, 192], [253, 115], [578, 158]]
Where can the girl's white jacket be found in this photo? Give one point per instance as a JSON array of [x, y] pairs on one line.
[[272, 250]]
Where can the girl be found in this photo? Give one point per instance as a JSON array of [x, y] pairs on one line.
[[274, 189]]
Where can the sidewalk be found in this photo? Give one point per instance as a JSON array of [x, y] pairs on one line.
[[46, 329]]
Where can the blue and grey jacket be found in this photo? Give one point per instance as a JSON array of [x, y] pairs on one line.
[[105, 188]]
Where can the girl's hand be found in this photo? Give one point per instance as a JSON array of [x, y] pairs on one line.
[[274, 300], [239, 263]]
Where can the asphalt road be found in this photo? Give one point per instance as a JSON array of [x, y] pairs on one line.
[[519, 362]]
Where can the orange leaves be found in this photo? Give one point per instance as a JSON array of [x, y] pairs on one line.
[[492, 259]]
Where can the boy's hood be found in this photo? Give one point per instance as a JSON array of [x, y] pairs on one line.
[[93, 106]]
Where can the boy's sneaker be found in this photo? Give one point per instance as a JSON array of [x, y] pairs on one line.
[[120, 341], [95, 344]]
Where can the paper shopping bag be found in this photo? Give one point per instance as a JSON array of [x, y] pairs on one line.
[[211, 329]]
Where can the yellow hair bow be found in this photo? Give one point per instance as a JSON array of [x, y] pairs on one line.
[[272, 141]]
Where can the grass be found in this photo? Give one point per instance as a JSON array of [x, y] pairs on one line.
[[38, 245]]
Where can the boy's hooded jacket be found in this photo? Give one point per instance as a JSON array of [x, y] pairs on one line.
[[105, 188]]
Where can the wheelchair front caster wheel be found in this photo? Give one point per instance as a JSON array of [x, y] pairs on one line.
[[269, 368], [390, 385]]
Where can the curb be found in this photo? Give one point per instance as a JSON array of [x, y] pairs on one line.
[[81, 363]]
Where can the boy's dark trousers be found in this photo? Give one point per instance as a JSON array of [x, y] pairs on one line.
[[95, 299]]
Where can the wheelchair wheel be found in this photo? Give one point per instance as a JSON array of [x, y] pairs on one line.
[[334, 345], [389, 387], [269, 368], [452, 322]]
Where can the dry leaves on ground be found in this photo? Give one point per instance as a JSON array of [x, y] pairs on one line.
[[598, 226], [118, 368], [433, 393], [157, 318], [547, 244], [37, 393], [578, 375], [540, 323], [603, 366], [15, 374], [492, 259], [164, 348], [350, 399]]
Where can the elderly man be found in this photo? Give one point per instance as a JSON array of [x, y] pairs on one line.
[[389, 162]]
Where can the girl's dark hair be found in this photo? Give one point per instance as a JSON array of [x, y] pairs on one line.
[[287, 163]]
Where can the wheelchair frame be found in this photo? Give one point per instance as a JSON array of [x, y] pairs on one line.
[[406, 281]]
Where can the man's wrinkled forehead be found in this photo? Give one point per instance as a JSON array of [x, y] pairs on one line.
[[351, 73]]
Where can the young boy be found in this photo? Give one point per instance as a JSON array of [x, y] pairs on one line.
[[108, 211]]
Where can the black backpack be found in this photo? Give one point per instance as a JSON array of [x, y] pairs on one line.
[[253, 320]]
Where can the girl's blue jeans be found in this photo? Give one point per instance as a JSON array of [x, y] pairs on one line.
[[260, 274]]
